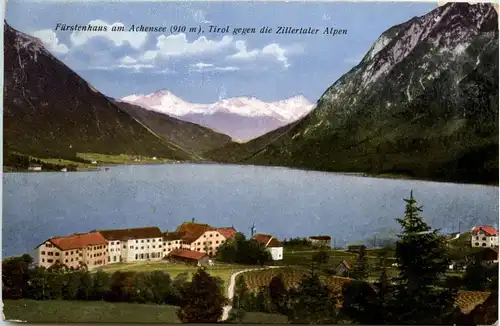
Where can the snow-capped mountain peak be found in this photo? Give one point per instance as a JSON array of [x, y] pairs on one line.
[[166, 102], [271, 115]]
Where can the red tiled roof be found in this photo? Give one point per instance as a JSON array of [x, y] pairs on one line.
[[189, 254], [136, 233], [345, 263], [192, 231], [227, 232], [267, 240], [488, 229], [78, 241]]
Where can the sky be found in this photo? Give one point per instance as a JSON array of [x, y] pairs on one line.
[[204, 68]]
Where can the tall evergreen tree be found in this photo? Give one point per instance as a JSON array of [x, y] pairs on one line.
[[201, 300], [313, 302], [421, 256], [360, 271]]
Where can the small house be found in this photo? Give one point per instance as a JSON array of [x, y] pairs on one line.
[[272, 244], [343, 268], [35, 167], [321, 240], [189, 257], [484, 236]]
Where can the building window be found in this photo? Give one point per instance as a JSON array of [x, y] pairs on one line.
[[114, 258], [57, 254], [142, 247], [136, 256], [198, 249], [210, 235], [484, 238], [124, 246], [142, 241], [50, 253], [43, 260], [216, 241], [164, 249], [477, 244], [49, 261], [484, 244], [159, 246], [154, 246], [148, 240], [43, 252], [142, 256], [66, 260]]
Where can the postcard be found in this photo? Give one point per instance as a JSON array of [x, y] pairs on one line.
[[250, 162]]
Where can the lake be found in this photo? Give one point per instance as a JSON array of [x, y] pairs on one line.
[[284, 202]]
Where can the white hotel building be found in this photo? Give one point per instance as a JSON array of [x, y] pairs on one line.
[[134, 244]]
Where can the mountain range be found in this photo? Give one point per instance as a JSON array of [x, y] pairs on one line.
[[242, 118], [423, 102]]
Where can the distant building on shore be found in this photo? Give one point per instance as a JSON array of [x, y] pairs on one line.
[[203, 237], [484, 236], [76, 250], [321, 240], [126, 245], [272, 244], [189, 257], [35, 167], [171, 241]]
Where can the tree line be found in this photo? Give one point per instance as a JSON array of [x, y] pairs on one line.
[[23, 162]]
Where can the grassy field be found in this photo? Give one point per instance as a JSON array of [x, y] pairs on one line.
[[224, 271], [120, 159], [88, 311], [263, 318], [106, 312]]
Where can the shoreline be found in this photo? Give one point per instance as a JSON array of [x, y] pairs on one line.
[[387, 176]]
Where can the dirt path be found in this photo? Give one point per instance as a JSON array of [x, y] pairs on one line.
[[230, 289]]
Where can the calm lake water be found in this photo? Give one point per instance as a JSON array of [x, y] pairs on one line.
[[284, 202]]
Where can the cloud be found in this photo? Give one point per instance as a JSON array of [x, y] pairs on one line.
[[243, 53], [128, 60], [271, 50], [276, 51], [178, 45], [50, 41], [134, 39], [201, 67]]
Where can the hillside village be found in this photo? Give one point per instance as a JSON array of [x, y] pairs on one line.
[[191, 243]]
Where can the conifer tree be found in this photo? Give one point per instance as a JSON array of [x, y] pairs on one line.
[[360, 271], [201, 300], [421, 256], [313, 302]]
